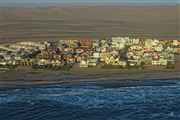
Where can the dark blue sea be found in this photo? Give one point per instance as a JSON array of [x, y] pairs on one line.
[[95, 100]]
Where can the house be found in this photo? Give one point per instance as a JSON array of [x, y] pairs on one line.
[[3, 63], [130, 54], [86, 43], [109, 59], [134, 63], [163, 62], [117, 43], [78, 58], [68, 49], [155, 42], [56, 63], [96, 44], [7, 57], [13, 62], [28, 62], [84, 63], [176, 50], [17, 57], [135, 47], [166, 55], [45, 55], [85, 56], [103, 41], [38, 45], [43, 62], [89, 51], [58, 56], [159, 62], [5, 47], [69, 43], [148, 43], [156, 62], [169, 49], [69, 58], [135, 41], [163, 59], [26, 47], [96, 55], [104, 55], [79, 50], [118, 62], [170, 62], [103, 49], [175, 43], [159, 48], [93, 62]]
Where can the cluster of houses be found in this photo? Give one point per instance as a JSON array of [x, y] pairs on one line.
[[90, 52]]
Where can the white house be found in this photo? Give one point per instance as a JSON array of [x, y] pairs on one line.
[[83, 63], [159, 48]]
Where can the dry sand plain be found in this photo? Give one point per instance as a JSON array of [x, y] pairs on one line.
[[51, 23]]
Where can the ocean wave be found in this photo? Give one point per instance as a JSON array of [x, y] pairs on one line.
[[122, 102]]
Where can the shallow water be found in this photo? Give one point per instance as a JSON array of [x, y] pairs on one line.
[[95, 100]]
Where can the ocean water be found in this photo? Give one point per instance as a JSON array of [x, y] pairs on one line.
[[95, 100]]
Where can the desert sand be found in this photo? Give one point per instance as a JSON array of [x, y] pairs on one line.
[[52, 23]]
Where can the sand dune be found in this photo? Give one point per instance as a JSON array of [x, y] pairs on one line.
[[51, 23]]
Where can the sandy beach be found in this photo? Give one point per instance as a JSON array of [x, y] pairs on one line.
[[41, 77]]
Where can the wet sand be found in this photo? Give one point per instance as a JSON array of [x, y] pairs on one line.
[[51, 23]]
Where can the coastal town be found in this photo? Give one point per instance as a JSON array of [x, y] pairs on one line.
[[107, 53]]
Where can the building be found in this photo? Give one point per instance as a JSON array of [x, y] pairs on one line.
[[46, 55], [93, 62], [84, 63], [38, 45], [28, 62]]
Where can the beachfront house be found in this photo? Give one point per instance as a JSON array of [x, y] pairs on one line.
[[28, 62], [84, 63], [134, 63], [93, 62]]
